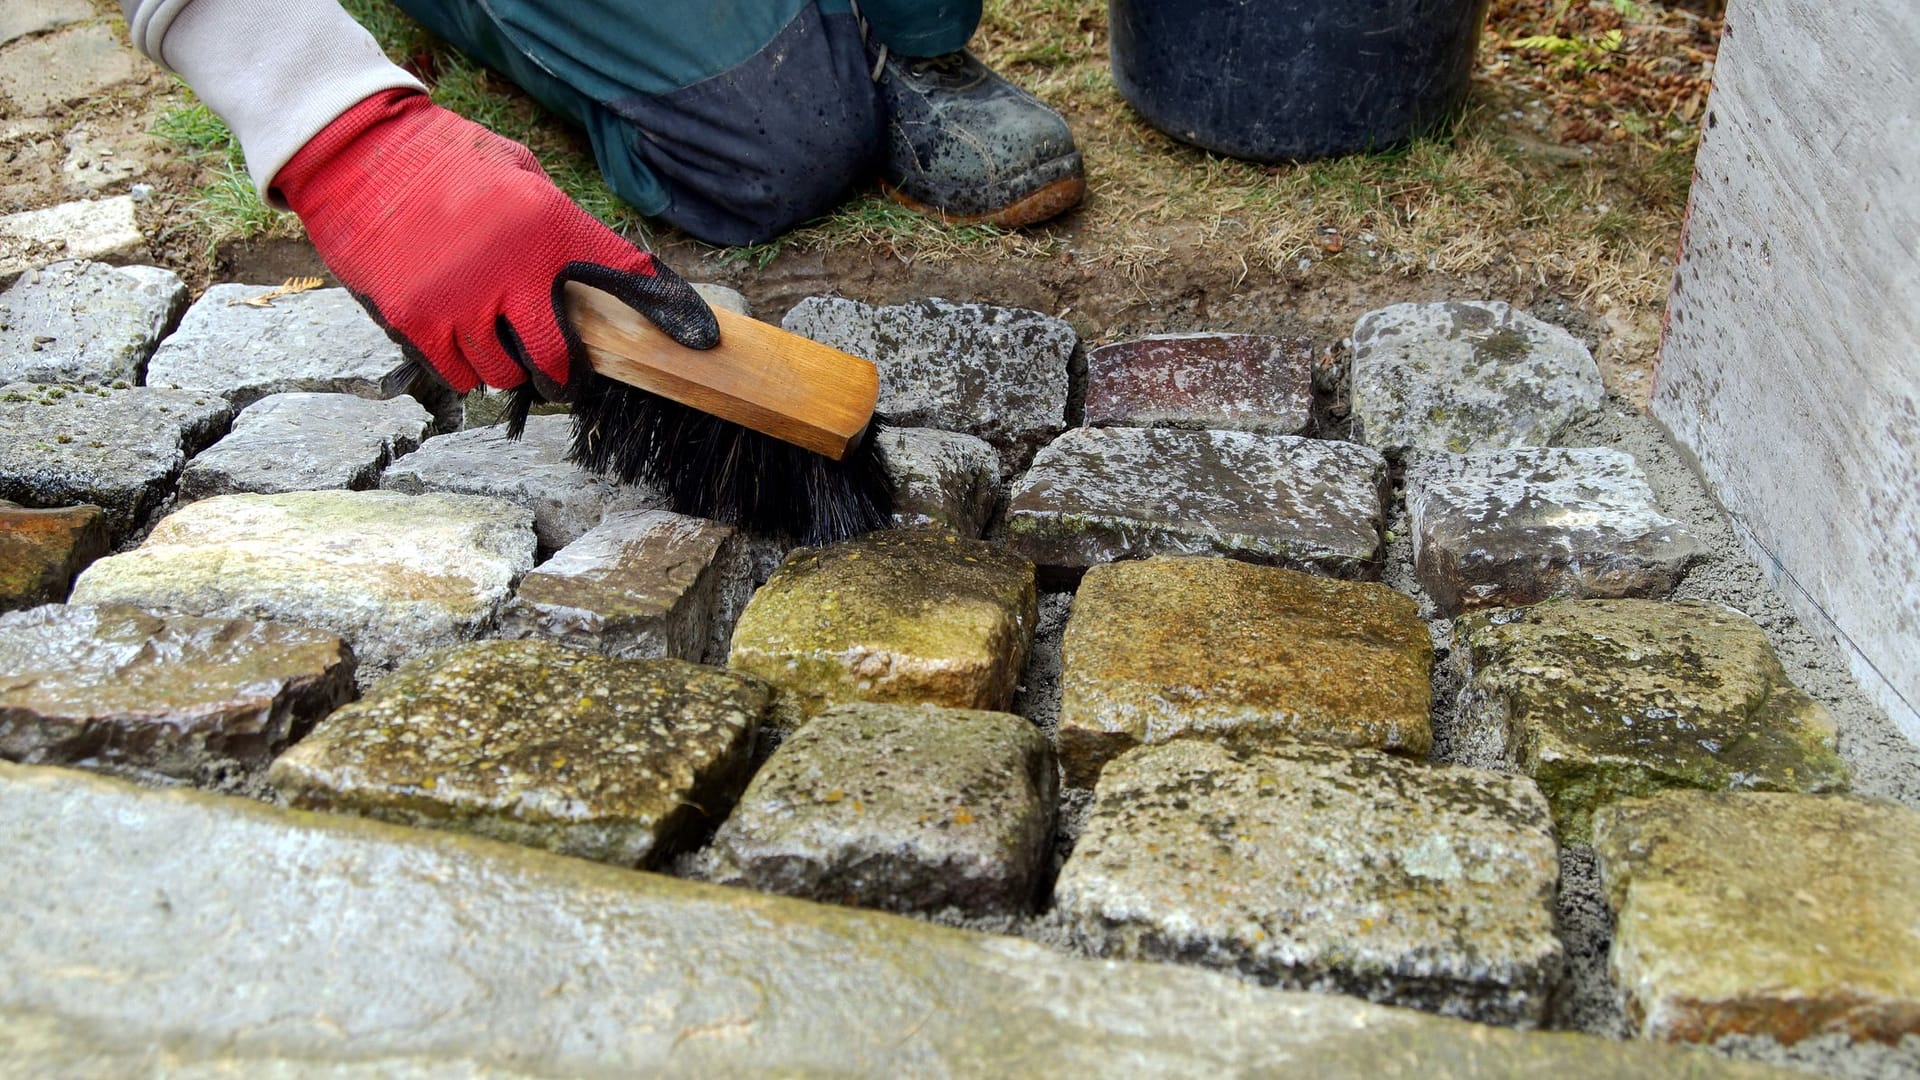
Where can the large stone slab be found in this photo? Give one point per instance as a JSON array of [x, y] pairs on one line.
[[319, 341], [1238, 382], [999, 373], [898, 807], [904, 617], [307, 442], [1505, 528], [1603, 699], [1464, 376], [362, 947], [86, 322], [87, 229], [1165, 648], [395, 575], [39, 76], [174, 694], [1764, 914], [120, 450], [1097, 495], [1324, 869], [941, 479], [42, 550], [642, 583], [23, 17], [531, 742], [531, 471]]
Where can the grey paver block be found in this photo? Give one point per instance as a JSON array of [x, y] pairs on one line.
[[1097, 495], [417, 947], [22, 17], [999, 373], [1464, 376], [1170, 647], [306, 442], [1324, 869], [532, 742], [42, 550], [174, 694], [1245, 382], [86, 322], [899, 807], [396, 575], [642, 583], [120, 450], [42, 74], [87, 229], [1505, 528], [1787, 916], [531, 471], [906, 617], [1599, 700], [942, 479]]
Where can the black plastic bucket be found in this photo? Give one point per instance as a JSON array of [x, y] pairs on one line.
[[1292, 80]]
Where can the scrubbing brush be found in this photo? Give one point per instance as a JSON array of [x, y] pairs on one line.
[[768, 430]]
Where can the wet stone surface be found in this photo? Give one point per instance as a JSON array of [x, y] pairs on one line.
[[1505, 528], [394, 574], [1599, 700], [120, 450], [1097, 495], [534, 743], [640, 584], [999, 373], [320, 341], [906, 617], [85, 229], [1785, 916], [306, 442], [1466, 376], [1240, 382], [172, 694], [906, 808], [942, 479], [1171, 647], [1327, 869], [86, 322], [531, 471], [42, 550]]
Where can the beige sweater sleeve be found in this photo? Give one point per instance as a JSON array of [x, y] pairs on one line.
[[277, 71]]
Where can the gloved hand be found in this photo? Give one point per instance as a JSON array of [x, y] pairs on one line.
[[458, 244]]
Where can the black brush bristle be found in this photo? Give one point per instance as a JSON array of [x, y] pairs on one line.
[[711, 468]]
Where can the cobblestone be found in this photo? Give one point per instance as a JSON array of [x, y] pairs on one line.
[[1243, 382], [942, 479], [306, 442], [87, 229], [86, 322], [42, 550]]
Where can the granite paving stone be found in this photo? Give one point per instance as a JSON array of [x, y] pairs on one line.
[[1505, 528], [86, 322], [1324, 869], [1098, 495], [120, 450], [942, 479], [999, 373], [174, 694], [395, 575], [42, 550], [1173, 647], [318, 341], [85, 229], [23, 17], [1241, 382], [1465, 376], [744, 566], [365, 949], [40, 75], [1786, 916], [1599, 700], [904, 617], [536, 743], [908, 808], [642, 583], [307, 442], [531, 471]]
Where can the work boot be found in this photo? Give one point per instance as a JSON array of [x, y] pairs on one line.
[[966, 145]]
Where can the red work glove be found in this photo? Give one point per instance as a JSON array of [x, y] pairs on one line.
[[458, 244]]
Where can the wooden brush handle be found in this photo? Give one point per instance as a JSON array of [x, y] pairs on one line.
[[759, 376]]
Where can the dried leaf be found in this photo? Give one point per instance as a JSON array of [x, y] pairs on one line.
[[287, 288]]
